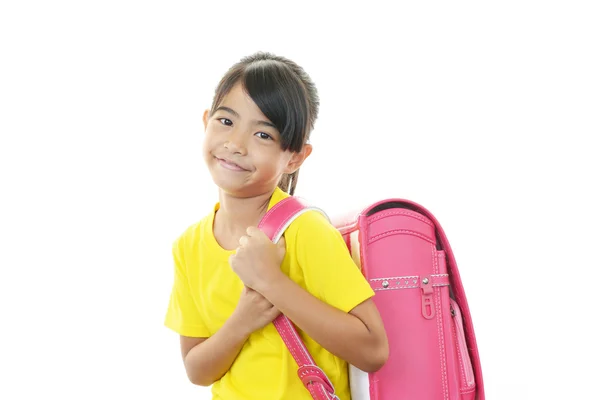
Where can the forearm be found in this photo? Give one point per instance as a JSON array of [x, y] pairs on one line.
[[339, 332], [210, 360]]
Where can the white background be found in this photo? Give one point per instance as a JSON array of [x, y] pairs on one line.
[[486, 114]]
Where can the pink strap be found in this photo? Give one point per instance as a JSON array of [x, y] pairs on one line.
[[273, 224]]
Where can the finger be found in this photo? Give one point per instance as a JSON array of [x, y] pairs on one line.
[[233, 258], [244, 240], [281, 249], [281, 242], [252, 231], [273, 313]]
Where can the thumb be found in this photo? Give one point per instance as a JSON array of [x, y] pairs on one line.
[[281, 244]]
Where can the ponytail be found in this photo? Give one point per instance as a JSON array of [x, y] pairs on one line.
[[288, 182]]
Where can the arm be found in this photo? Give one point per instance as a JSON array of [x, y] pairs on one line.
[[357, 337], [206, 360], [338, 312], [206, 356]]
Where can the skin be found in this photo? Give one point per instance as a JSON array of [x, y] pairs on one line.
[[243, 154]]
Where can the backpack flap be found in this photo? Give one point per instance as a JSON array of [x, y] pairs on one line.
[[456, 288]]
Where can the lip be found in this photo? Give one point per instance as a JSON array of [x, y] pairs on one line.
[[230, 165]]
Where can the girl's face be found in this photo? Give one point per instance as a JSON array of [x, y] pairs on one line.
[[242, 147]]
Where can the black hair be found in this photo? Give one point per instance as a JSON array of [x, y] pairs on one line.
[[284, 93]]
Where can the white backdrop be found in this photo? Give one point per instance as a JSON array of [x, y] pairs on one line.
[[486, 114]]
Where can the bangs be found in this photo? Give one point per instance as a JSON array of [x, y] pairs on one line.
[[281, 97]]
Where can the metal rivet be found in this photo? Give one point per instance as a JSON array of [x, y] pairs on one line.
[[385, 284], [414, 281], [425, 281]]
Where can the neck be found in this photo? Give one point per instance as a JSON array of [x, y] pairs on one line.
[[236, 214]]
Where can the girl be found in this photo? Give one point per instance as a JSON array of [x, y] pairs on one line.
[[231, 281]]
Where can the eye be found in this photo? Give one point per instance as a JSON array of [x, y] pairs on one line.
[[225, 121], [263, 135]]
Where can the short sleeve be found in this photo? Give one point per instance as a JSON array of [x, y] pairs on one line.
[[182, 314], [329, 271]]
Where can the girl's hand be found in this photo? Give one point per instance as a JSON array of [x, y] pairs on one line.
[[254, 311], [258, 260]]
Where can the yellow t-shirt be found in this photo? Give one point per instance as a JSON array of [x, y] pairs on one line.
[[206, 291]]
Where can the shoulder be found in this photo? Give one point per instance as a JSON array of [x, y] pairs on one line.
[[192, 235], [311, 220], [312, 226]]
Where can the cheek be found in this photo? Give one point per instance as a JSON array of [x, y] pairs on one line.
[[284, 160], [205, 145], [274, 162], [208, 148], [210, 141]]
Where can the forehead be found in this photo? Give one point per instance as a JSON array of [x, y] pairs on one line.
[[241, 102]]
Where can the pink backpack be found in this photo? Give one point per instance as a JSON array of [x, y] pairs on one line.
[[403, 252]]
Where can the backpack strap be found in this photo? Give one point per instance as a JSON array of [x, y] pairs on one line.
[[274, 224]]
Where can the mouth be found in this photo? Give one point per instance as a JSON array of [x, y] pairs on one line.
[[230, 165]]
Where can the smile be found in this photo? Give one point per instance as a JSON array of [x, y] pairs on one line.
[[229, 165]]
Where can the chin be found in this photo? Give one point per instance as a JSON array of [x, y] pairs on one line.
[[240, 190], [229, 186]]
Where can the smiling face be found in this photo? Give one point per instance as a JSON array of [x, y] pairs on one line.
[[242, 148]]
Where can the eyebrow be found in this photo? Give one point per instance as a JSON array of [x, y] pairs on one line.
[[235, 114]]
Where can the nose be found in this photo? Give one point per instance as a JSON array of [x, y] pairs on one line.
[[235, 143]]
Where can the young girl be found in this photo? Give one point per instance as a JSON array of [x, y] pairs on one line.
[[231, 281]]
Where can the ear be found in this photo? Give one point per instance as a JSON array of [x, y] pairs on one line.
[[205, 118], [298, 158]]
